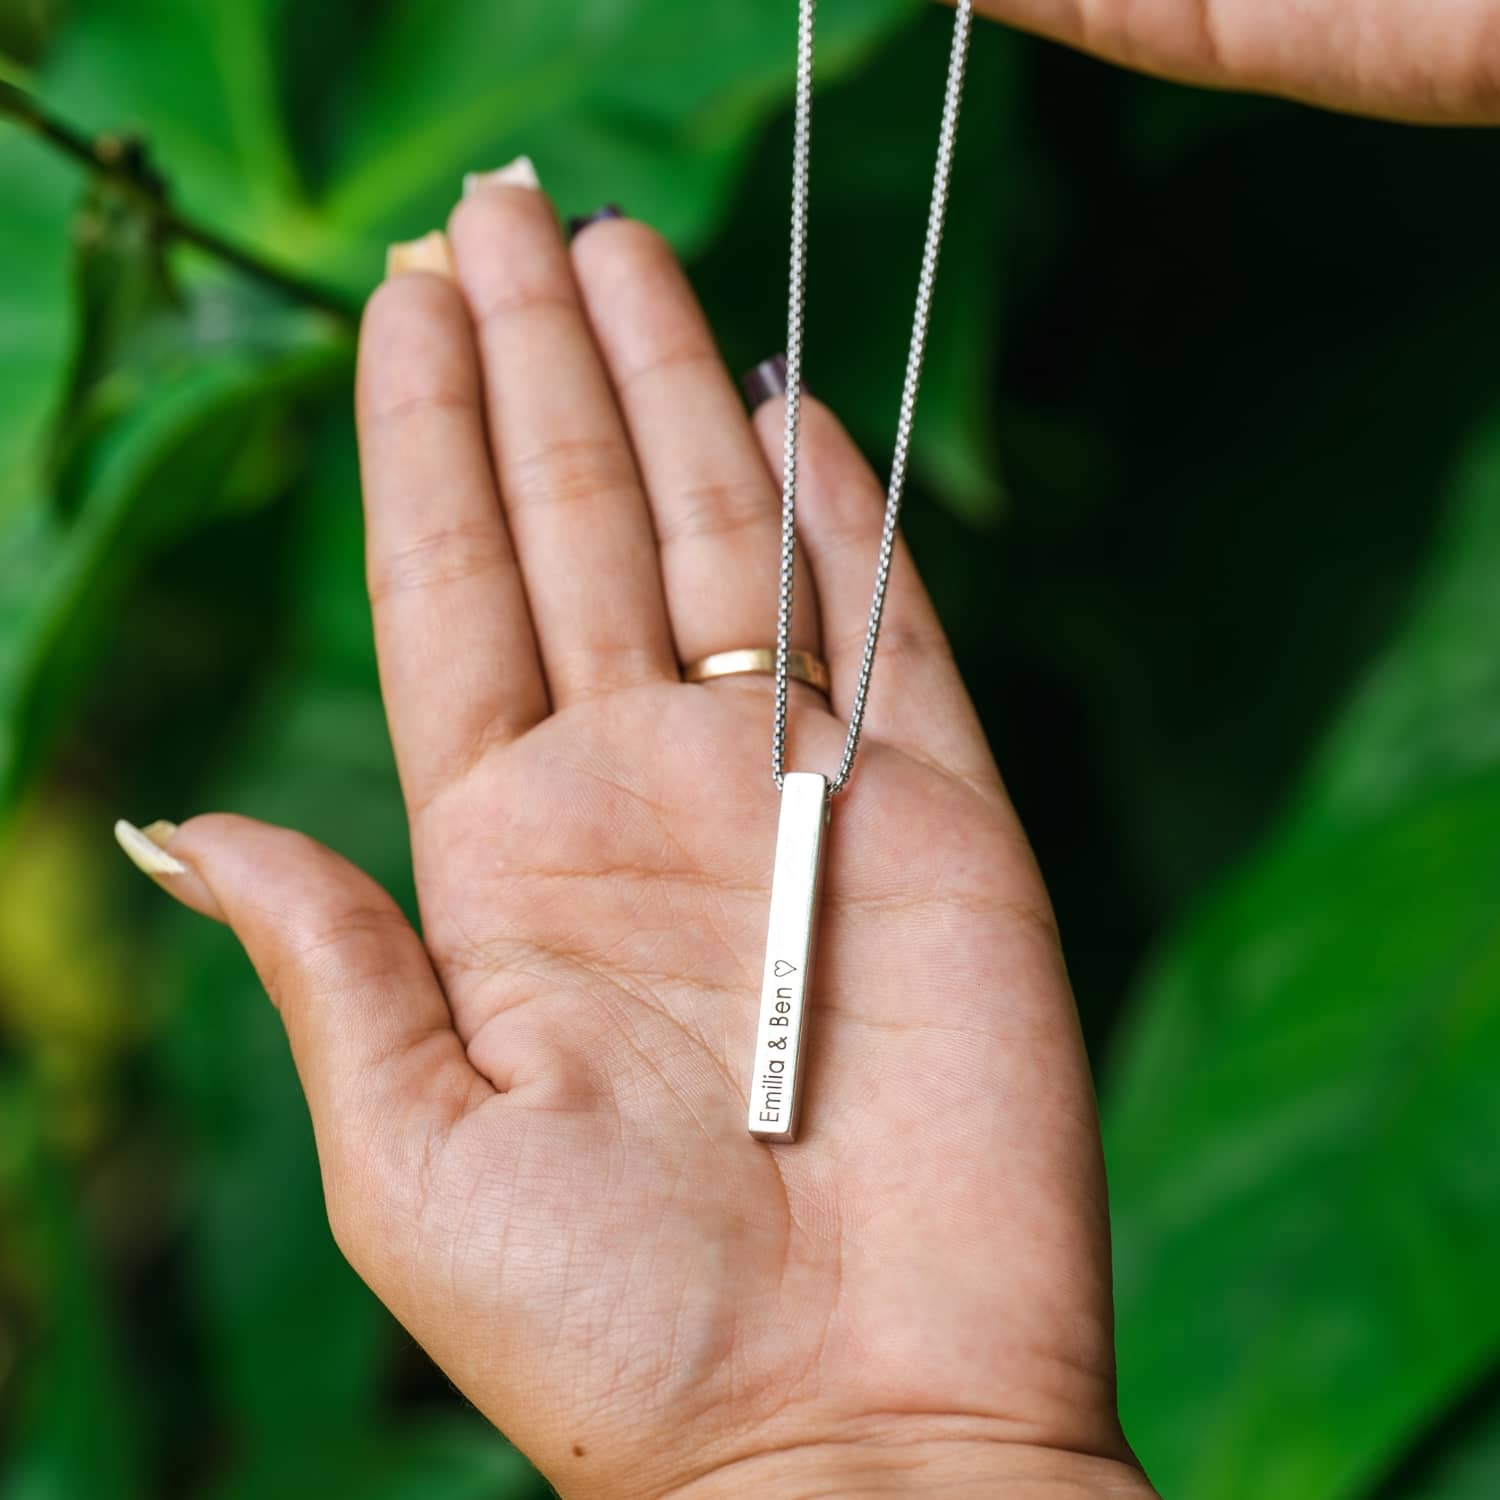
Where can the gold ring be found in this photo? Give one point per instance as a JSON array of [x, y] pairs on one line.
[[802, 665]]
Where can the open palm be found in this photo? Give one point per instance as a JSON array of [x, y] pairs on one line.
[[532, 1120]]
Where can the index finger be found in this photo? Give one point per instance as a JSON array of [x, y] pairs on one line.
[[458, 659]]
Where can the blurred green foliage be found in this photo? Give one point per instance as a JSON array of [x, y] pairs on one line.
[[1209, 495]]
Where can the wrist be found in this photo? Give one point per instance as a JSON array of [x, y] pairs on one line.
[[936, 1470]]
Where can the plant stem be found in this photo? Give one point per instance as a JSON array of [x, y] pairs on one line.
[[124, 162]]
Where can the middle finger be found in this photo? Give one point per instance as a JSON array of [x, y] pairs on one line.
[[716, 506]]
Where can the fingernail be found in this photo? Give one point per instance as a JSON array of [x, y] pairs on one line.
[[580, 222], [430, 253], [517, 173], [146, 847], [767, 379]]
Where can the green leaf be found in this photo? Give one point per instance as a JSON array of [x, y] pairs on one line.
[[1307, 1202], [36, 317], [25, 26], [190, 441], [1465, 1464], [298, 1349], [122, 291], [204, 95], [1431, 710], [866, 232], [294, 1344], [1307, 1216], [75, 1431], [436, 1459], [652, 103]]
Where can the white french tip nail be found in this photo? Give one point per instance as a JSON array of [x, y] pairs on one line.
[[518, 173], [143, 850], [431, 253]]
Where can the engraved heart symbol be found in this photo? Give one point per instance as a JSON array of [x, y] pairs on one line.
[[783, 968]]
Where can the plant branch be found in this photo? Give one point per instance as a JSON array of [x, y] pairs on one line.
[[124, 161]]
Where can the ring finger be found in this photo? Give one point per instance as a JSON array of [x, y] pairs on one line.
[[714, 502]]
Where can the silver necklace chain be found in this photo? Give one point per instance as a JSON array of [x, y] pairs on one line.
[[798, 280]]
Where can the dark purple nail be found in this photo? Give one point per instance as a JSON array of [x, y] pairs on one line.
[[580, 222], [767, 379]]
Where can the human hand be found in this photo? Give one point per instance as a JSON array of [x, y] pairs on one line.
[[1427, 60], [531, 1121]]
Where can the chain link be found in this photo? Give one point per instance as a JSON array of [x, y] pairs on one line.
[[963, 16]]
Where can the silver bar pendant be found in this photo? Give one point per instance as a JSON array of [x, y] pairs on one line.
[[775, 1083]]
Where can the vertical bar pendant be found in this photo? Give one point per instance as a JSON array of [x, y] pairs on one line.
[[775, 1084]]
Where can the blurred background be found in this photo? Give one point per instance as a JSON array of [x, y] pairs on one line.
[[1209, 495]]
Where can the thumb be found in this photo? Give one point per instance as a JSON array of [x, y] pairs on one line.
[[370, 1030]]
